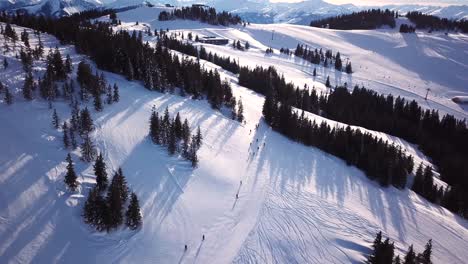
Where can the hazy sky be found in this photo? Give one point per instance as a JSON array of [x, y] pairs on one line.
[[380, 2]]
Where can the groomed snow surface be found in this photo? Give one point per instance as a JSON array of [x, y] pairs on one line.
[[296, 204]]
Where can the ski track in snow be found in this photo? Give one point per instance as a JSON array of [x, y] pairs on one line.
[[296, 204]]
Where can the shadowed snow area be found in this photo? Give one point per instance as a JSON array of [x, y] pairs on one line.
[[296, 204]]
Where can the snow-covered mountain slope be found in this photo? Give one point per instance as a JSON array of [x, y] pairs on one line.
[[51, 7], [296, 204]]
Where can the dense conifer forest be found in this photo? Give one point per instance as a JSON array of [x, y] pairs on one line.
[[203, 14], [126, 54], [424, 21], [443, 139], [369, 19]]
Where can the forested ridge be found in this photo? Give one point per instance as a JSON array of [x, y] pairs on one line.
[[367, 19]]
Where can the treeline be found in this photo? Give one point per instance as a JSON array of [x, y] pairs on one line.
[[379, 159], [404, 28], [369, 19], [171, 42], [318, 56], [203, 14], [424, 21], [124, 53], [56, 82], [175, 135], [443, 139], [383, 252]]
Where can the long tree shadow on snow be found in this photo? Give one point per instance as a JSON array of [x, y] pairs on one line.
[[300, 166]]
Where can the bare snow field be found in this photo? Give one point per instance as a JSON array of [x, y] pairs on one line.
[[296, 204]]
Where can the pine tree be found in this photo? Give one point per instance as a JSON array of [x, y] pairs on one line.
[[116, 96], [172, 141], [410, 257], [100, 172], [91, 212], [133, 214], [8, 97], [240, 111], [97, 102], [28, 86], [397, 260], [338, 63], [5, 63], [87, 149], [315, 72], [116, 198], [66, 140], [177, 127], [68, 64], [122, 182], [155, 130], [425, 257], [349, 68], [109, 99], [55, 119], [198, 139], [192, 153], [327, 83], [74, 144], [85, 123], [70, 177], [418, 180]]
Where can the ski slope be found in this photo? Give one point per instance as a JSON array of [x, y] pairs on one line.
[[296, 204]]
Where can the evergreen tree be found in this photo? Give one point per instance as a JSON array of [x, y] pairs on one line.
[[338, 63], [327, 83], [109, 99], [66, 140], [74, 144], [133, 215], [349, 68], [28, 86], [86, 122], [116, 96], [410, 257], [397, 260], [198, 139], [87, 149], [155, 130], [116, 198], [240, 111], [55, 119], [8, 97], [70, 177], [172, 141], [425, 257], [68, 64], [25, 38], [100, 172], [315, 72], [5, 63], [177, 127], [193, 157], [92, 210], [97, 102]]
